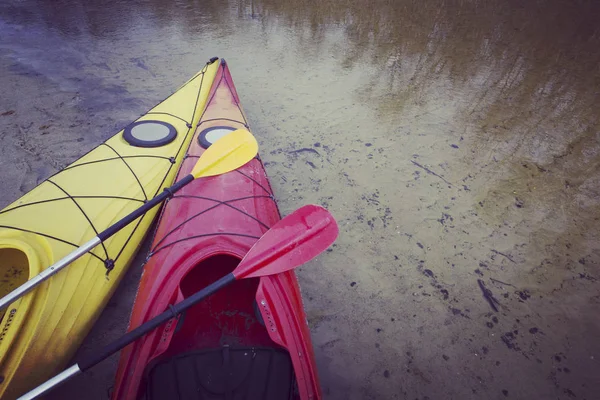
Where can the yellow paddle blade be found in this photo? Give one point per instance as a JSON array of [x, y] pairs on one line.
[[226, 154]]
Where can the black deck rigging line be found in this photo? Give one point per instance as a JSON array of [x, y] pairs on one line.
[[226, 203], [129, 237], [201, 73], [83, 212], [270, 188], [188, 124], [245, 123], [184, 222], [195, 156], [234, 92], [109, 197], [67, 198], [210, 99], [224, 119], [159, 187], [261, 196], [197, 101], [193, 78], [111, 159], [210, 208], [152, 253], [109, 265], [237, 104], [200, 213], [253, 180], [130, 169], [49, 237], [190, 127]]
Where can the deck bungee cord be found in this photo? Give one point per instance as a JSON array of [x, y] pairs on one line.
[[107, 260], [43, 328], [291, 242], [228, 203], [228, 153]]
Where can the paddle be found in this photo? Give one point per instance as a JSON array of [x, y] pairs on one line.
[[226, 154], [291, 242]]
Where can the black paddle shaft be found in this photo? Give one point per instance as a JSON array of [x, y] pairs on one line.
[[87, 362], [123, 222]]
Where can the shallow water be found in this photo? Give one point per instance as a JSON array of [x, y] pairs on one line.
[[453, 141]]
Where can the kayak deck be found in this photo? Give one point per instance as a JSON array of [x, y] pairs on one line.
[[203, 233], [42, 330]]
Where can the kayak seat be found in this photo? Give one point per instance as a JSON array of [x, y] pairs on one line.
[[226, 373]]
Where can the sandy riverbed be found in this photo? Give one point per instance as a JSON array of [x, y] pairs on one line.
[[458, 147]]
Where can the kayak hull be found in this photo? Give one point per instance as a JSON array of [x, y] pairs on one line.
[[202, 234], [41, 331]]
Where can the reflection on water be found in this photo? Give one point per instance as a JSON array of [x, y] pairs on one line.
[[454, 141]]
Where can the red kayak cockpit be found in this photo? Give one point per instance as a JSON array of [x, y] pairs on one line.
[[219, 348], [228, 317]]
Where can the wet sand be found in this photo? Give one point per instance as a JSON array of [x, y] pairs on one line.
[[456, 144]]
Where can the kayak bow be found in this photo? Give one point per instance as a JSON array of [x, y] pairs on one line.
[[42, 330], [251, 338]]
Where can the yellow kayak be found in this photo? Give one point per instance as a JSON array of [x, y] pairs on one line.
[[41, 331]]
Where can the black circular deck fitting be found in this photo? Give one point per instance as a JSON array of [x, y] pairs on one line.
[[212, 134], [149, 133]]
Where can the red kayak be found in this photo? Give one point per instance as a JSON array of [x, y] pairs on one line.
[[247, 341]]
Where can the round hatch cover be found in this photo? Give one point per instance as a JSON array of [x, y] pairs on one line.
[[149, 133], [212, 134]]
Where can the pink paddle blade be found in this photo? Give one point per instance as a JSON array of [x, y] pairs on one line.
[[293, 241]]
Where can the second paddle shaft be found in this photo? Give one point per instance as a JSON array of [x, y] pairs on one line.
[[89, 361], [102, 236]]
